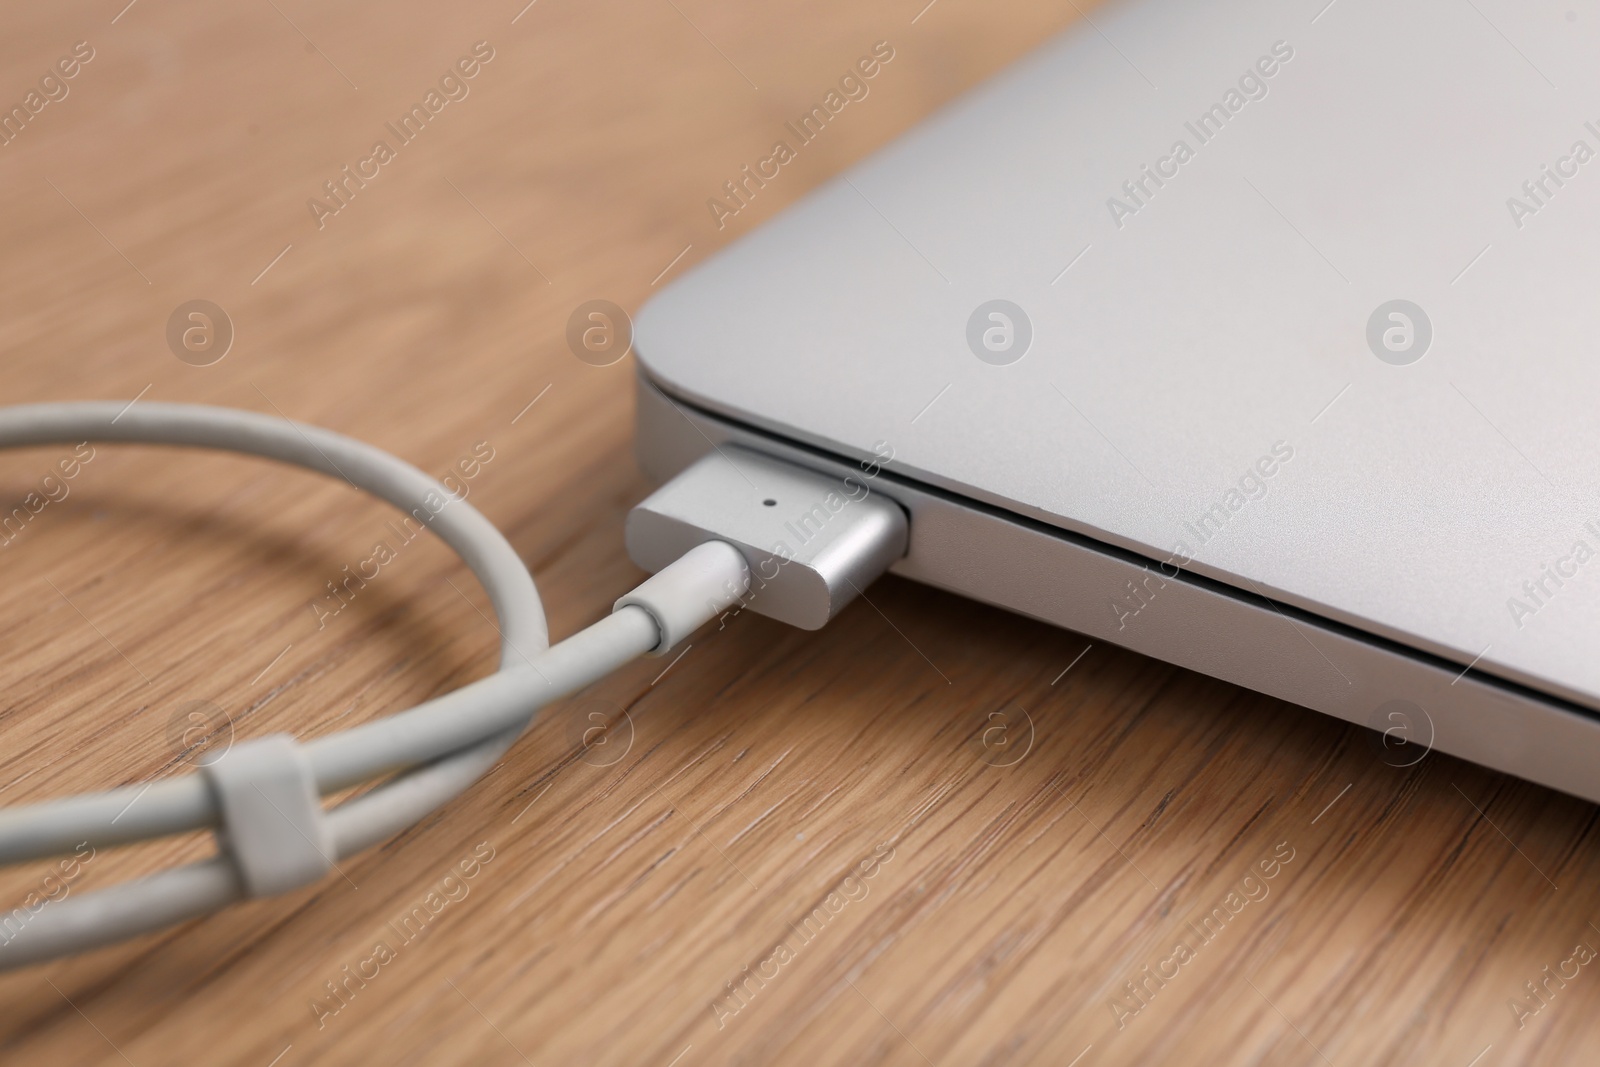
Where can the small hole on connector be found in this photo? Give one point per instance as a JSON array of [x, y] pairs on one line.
[[769, 502]]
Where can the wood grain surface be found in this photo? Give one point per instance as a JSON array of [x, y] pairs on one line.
[[933, 833]]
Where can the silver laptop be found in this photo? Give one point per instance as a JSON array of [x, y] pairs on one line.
[[1259, 339]]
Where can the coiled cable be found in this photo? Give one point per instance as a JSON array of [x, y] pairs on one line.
[[432, 751]]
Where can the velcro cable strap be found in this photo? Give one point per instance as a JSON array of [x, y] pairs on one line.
[[272, 823]]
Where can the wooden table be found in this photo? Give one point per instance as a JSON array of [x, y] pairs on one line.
[[935, 834]]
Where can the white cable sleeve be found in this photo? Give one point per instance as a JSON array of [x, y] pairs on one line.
[[672, 596]]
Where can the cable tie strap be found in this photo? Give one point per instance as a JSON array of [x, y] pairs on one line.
[[272, 823]]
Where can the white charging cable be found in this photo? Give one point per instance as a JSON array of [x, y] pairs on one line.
[[263, 798]]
